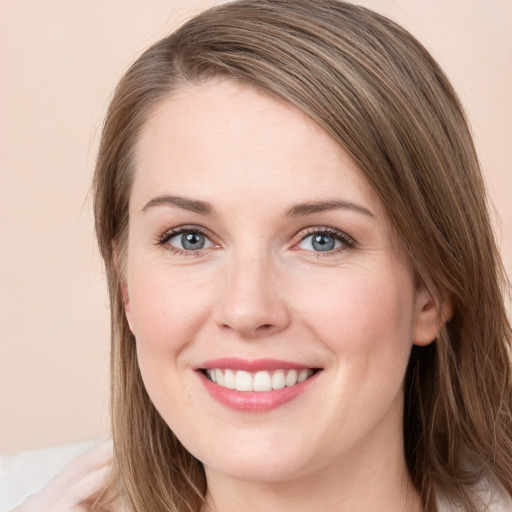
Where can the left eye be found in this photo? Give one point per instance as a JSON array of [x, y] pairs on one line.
[[190, 241], [321, 242]]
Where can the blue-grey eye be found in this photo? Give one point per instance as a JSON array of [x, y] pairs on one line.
[[190, 241], [320, 242]]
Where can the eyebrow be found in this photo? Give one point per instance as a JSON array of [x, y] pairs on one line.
[[312, 207], [298, 210], [193, 205]]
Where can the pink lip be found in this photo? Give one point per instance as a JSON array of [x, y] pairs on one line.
[[254, 401], [251, 365]]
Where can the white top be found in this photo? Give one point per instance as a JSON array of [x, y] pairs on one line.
[[491, 497], [27, 472]]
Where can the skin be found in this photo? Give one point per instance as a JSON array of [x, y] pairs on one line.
[[259, 289]]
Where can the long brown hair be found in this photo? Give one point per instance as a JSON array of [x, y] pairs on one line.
[[380, 95]]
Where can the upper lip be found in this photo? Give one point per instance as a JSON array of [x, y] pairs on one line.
[[252, 365]]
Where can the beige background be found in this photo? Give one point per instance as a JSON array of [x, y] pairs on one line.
[[59, 62]]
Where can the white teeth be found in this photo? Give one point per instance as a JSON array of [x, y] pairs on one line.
[[229, 379], [262, 382], [243, 380], [278, 380], [303, 375], [291, 378], [219, 377], [259, 381]]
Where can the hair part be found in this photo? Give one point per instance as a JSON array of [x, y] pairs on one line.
[[379, 94]]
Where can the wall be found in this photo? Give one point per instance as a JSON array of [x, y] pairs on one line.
[[60, 61]]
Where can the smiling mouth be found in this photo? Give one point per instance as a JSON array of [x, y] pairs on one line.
[[260, 381]]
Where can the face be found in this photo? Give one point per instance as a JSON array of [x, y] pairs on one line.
[[260, 259]]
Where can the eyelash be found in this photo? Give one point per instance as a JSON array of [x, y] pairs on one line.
[[347, 241]]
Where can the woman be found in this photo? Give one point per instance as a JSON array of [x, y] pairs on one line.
[[306, 295]]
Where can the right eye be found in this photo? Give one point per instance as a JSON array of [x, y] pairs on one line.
[[189, 241], [185, 240]]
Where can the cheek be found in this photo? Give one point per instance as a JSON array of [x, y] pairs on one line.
[[167, 308], [365, 320], [361, 312]]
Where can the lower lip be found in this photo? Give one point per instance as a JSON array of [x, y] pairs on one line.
[[255, 401]]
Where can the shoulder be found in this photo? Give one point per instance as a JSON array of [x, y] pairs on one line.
[[25, 473]]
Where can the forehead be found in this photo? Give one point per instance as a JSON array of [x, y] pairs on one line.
[[221, 139]]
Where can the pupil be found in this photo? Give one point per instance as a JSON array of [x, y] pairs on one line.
[[323, 243], [192, 241]]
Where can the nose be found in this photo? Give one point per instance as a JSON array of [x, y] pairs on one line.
[[252, 302]]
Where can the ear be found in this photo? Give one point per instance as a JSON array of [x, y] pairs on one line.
[[123, 286], [430, 316], [126, 304]]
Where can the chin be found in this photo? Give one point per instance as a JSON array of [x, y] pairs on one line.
[[274, 462], [262, 470]]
